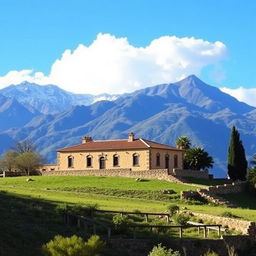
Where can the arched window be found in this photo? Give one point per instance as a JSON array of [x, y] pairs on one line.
[[102, 163], [70, 161], [157, 159], [135, 159], [89, 161], [115, 160], [175, 161], [166, 161]]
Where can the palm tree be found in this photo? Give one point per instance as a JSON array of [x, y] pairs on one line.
[[183, 142], [197, 159]]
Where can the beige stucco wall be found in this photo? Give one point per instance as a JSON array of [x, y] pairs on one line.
[[162, 153], [125, 160]]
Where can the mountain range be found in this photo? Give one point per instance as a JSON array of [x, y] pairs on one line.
[[54, 118]]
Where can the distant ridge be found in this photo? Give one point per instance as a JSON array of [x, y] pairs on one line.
[[160, 113]]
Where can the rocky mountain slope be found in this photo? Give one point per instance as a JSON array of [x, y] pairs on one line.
[[162, 113]]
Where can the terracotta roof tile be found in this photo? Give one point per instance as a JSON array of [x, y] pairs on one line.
[[116, 145]]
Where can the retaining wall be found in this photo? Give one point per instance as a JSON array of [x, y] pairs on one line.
[[243, 226], [190, 173], [227, 188], [160, 174]]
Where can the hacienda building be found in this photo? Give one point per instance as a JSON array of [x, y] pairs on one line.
[[133, 154]]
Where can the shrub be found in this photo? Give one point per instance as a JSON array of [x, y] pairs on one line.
[[228, 215], [120, 222], [160, 250], [210, 253], [173, 209], [73, 246], [84, 210], [182, 219]]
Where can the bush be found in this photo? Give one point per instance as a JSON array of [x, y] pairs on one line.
[[228, 215], [173, 209], [83, 210], [210, 253], [73, 246], [160, 250], [120, 222], [181, 219]]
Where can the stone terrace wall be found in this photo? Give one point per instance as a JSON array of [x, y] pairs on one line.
[[190, 173], [160, 174], [243, 226], [227, 188]]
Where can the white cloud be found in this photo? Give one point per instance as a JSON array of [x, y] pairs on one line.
[[113, 65], [247, 95]]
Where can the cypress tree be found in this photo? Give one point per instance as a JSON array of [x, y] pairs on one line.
[[237, 164]]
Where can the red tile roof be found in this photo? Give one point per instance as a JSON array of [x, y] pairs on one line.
[[116, 145]]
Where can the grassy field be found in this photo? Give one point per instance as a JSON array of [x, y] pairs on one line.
[[113, 193], [30, 218]]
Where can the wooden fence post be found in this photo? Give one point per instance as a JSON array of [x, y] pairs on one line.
[[181, 231], [109, 233], [78, 222], [146, 216], [205, 232]]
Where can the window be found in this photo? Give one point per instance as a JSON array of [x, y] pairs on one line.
[[157, 159], [166, 161], [70, 161], [89, 161], [175, 161], [115, 160], [135, 159]]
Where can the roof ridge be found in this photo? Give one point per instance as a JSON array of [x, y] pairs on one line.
[[142, 140]]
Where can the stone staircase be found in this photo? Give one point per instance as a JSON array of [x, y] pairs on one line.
[[212, 197]]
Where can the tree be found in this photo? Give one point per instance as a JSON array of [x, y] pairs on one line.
[[197, 158], [24, 146], [8, 160], [183, 142], [251, 173], [237, 164], [28, 161]]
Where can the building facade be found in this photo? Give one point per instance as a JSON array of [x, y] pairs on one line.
[[133, 154]]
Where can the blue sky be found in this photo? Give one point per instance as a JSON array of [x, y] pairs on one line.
[[36, 33]]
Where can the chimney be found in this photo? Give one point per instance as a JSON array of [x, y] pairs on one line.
[[131, 137], [86, 139]]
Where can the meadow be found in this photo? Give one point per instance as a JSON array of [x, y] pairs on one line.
[[115, 193]]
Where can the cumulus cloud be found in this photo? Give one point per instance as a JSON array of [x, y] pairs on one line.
[[113, 65], [247, 95]]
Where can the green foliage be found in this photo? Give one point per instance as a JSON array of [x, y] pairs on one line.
[[120, 221], [228, 215], [8, 160], [173, 209], [210, 253], [181, 219], [251, 176], [197, 158], [231, 251], [183, 142], [73, 246], [237, 164], [28, 161], [160, 250]]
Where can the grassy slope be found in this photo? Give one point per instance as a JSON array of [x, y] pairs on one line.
[[44, 188]]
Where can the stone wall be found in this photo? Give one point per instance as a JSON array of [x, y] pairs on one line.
[[243, 226], [160, 174], [190, 173], [227, 188], [194, 247]]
